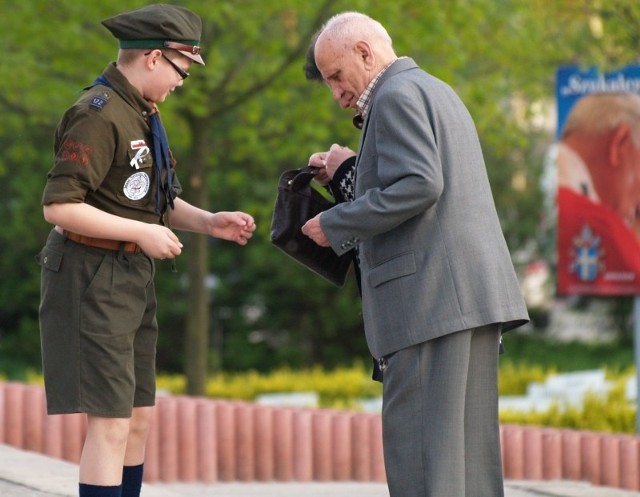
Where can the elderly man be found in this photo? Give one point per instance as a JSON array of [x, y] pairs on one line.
[[598, 162], [438, 285]]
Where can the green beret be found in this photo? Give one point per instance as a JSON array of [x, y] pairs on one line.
[[159, 26]]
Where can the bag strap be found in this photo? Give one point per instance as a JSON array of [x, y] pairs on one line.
[[323, 191]]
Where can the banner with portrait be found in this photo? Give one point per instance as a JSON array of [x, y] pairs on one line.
[[597, 156]]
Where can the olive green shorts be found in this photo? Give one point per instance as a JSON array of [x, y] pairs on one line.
[[98, 329]]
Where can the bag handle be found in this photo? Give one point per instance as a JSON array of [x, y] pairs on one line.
[[303, 177]]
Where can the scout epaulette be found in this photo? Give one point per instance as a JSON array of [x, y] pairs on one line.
[[99, 101]]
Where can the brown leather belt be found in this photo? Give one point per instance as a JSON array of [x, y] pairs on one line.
[[103, 243]]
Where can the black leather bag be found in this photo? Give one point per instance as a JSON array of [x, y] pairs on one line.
[[299, 199]]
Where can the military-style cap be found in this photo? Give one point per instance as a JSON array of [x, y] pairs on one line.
[[159, 26]]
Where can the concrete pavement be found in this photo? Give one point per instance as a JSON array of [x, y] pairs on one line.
[[27, 474]]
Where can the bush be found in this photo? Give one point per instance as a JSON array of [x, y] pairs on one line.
[[514, 378], [339, 388], [612, 413]]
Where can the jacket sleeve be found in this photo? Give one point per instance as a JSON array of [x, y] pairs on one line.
[[399, 173]]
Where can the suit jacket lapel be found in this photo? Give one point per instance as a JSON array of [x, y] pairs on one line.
[[398, 66]]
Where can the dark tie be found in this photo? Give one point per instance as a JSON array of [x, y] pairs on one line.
[[162, 161]]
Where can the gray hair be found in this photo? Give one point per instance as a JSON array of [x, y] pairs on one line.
[[350, 25]]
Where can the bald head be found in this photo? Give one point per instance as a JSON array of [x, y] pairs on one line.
[[350, 50]]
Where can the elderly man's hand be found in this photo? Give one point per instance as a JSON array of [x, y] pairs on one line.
[[328, 162], [314, 231]]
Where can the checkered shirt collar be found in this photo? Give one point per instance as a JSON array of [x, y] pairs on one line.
[[364, 102]]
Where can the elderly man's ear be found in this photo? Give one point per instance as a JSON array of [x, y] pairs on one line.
[[364, 51], [621, 144]]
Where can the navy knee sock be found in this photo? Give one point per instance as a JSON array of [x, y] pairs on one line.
[[86, 490], [132, 480]]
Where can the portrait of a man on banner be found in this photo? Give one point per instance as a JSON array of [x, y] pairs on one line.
[[598, 194]]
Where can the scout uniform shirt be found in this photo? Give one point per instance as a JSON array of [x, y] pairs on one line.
[[103, 153]]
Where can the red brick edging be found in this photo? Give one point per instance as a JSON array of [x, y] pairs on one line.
[[207, 440]]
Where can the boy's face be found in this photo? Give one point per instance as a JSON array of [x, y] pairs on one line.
[[169, 70]]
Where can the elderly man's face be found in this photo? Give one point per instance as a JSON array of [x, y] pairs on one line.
[[343, 69]]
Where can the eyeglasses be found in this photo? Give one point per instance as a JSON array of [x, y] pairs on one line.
[[183, 74]]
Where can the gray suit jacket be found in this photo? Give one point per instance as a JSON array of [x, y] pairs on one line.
[[432, 254]]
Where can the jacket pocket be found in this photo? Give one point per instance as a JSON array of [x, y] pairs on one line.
[[399, 266]]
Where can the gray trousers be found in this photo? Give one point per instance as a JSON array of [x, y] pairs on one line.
[[440, 417]]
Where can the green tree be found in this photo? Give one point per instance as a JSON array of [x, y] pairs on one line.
[[249, 115]]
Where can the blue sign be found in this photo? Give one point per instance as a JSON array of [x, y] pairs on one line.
[[572, 83]]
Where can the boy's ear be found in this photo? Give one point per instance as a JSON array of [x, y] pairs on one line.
[[151, 58]]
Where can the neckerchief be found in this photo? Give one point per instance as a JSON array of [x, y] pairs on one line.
[[161, 159]]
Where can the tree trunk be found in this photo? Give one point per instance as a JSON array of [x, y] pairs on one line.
[[197, 337], [197, 322]]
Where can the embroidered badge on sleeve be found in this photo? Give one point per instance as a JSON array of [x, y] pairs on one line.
[[73, 151]]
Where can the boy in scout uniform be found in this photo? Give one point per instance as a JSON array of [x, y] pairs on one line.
[[112, 196]]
